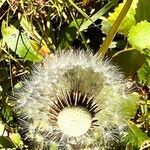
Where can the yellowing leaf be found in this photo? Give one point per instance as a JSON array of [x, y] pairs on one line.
[[44, 50]]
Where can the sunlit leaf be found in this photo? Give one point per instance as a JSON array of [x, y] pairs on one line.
[[105, 25], [53, 146], [128, 21], [20, 43], [130, 105], [7, 112], [30, 29], [139, 35], [97, 15], [16, 139], [80, 10], [135, 137]]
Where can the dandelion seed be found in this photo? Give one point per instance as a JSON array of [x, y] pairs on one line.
[[72, 98]]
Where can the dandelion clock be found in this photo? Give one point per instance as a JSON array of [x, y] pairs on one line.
[[76, 100]]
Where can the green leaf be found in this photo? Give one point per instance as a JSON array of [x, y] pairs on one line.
[[135, 137], [79, 9], [6, 142], [30, 29], [105, 25], [130, 105], [68, 34], [97, 15], [144, 74], [16, 139], [7, 112], [20, 43], [139, 35], [128, 21], [142, 10], [53, 146], [129, 61]]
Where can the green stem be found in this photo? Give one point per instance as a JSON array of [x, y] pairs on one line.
[[105, 45], [81, 34]]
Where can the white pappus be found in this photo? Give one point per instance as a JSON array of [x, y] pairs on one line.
[[74, 98]]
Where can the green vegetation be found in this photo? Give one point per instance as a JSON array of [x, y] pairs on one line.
[[33, 29]]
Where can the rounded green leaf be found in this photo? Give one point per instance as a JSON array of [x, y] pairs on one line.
[[139, 35]]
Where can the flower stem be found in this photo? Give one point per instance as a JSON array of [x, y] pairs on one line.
[[105, 45]]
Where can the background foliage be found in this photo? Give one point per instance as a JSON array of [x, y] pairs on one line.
[[32, 29]]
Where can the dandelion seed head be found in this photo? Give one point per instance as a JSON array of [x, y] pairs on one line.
[[71, 97]]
